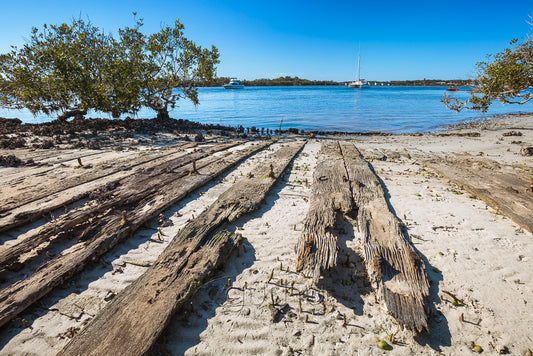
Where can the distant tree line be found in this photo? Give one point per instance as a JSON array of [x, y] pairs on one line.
[[296, 81], [429, 82], [281, 81]]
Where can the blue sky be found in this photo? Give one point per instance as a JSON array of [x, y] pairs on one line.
[[310, 39]]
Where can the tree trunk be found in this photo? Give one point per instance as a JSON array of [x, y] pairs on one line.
[[162, 114], [78, 114]]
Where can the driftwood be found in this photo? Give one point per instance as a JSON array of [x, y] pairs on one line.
[[41, 200], [504, 187], [45, 157], [44, 163], [78, 176], [111, 200], [109, 226], [504, 190], [344, 181], [394, 268], [133, 321], [317, 246]]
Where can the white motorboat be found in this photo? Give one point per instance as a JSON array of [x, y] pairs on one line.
[[233, 84], [359, 83]]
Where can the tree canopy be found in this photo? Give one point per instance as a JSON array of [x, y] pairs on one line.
[[506, 77], [68, 69]]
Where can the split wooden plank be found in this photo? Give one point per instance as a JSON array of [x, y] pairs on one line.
[[111, 200], [42, 187], [44, 156], [66, 193], [503, 190], [394, 268], [12, 175], [133, 321], [47, 163], [111, 228], [74, 174], [317, 246]]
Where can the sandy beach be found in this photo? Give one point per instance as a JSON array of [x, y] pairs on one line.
[[477, 250]]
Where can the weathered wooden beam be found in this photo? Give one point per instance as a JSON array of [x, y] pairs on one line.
[[27, 173], [18, 210], [74, 176], [45, 164], [112, 227], [133, 321], [129, 190], [503, 190], [394, 268], [317, 246]]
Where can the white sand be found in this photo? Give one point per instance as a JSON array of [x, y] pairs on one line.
[[483, 258]]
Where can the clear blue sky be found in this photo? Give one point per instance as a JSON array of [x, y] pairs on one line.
[[310, 39]]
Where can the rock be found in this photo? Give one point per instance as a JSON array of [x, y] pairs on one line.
[[278, 312], [512, 133], [10, 161], [199, 137], [527, 151], [164, 221]]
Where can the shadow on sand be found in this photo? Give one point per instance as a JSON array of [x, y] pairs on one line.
[[347, 281], [186, 326]]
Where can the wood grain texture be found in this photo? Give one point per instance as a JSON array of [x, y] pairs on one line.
[[108, 224], [317, 247], [502, 188], [133, 321], [71, 176], [394, 268], [50, 194], [111, 199]]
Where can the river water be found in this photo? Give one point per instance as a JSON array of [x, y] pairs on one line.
[[379, 108]]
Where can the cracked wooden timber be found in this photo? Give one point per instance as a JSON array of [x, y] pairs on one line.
[[317, 246], [112, 224], [42, 199], [133, 321], [343, 181], [128, 191], [50, 185], [502, 188], [395, 269]]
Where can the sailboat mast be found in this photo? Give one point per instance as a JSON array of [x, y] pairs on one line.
[[359, 64]]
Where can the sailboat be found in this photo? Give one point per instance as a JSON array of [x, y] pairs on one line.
[[359, 83]]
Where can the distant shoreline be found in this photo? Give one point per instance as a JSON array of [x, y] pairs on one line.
[[295, 81]]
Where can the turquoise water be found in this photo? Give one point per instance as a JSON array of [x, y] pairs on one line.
[[381, 108]]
